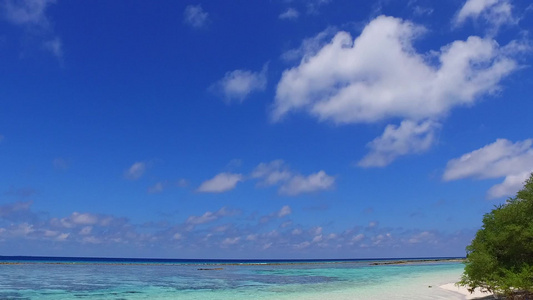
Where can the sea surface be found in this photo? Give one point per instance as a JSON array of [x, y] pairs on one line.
[[96, 278]]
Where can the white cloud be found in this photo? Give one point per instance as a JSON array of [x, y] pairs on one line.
[[158, 187], [494, 12], [423, 11], [395, 141], [55, 46], [205, 218], [135, 171], [272, 173], [510, 185], [379, 75], [289, 14], [310, 46], [513, 161], [473, 8], [195, 16], [230, 241], [357, 238], [26, 12], [424, 236], [32, 14], [292, 183], [284, 211], [83, 219], [86, 230], [62, 237], [307, 184], [210, 216], [78, 219], [222, 182], [239, 84], [313, 6]]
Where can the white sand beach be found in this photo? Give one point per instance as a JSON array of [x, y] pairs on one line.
[[477, 294]]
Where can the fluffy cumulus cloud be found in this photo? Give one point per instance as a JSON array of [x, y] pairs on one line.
[[409, 137], [135, 171], [291, 183], [501, 159], [32, 14], [222, 182], [237, 85], [493, 12], [289, 14], [195, 16], [380, 76]]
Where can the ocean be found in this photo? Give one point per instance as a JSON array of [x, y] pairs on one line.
[[119, 279]]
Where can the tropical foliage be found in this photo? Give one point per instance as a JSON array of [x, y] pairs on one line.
[[500, 258]]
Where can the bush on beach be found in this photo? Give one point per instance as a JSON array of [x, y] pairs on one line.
[[500, 258]]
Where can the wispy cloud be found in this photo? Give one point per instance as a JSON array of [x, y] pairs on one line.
[[494, 12], [307, 184], [503, 158], [209, 216], [237, 85], [135, 171], [272, 173], [289, 14], [313, 6], [195, 16], [283, 212], [409, 137], [31, 14], [222, 182], [160, 186], [17, 211], [198, 233], [291, 183], [27, 12], [22, 192], [310, 46]]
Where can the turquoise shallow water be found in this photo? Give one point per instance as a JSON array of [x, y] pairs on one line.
[[347, 280]]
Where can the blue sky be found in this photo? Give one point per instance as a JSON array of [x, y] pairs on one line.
[[260, 129]]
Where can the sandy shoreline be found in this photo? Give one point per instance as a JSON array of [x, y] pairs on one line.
[[477, 294]]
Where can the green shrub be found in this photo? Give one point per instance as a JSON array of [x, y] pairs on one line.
[[500, 258]]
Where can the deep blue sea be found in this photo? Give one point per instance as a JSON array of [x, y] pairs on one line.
[[111, 278]]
